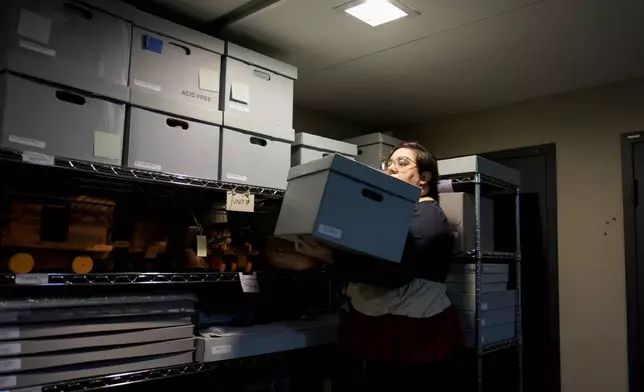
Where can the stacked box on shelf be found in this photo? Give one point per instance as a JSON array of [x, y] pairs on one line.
[[223, 343], [174, 123], [50, 340], [65, 80], [460, 210], [308, 147], [498, 304], [258, 119], [374, 148]]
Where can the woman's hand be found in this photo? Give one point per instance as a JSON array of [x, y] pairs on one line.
[[310, 247]]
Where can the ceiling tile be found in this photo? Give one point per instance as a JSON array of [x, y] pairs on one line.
[[201, 10]]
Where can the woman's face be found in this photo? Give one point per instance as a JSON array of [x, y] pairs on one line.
[[402, 165]]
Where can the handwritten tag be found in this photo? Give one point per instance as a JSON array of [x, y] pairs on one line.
[[445, 186], [9, 365], [202, 246], [32, 279], [243, 202], [9, 333], [249, 283]]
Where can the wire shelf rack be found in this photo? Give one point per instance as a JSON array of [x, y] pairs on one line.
[[466, 179], [488, 255]]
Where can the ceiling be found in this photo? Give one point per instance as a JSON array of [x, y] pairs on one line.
[[457, 56]]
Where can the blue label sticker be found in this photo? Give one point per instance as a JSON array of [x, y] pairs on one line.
[[153, 44]]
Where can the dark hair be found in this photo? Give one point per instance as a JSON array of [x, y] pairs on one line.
[[426, 163]]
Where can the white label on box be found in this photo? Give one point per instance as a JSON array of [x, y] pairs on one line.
[[484, 306], [239, 106], [8, 316], [243, 202], [202, 246], [27, 142], [149, 86], [147, 165], [240, 92], [107, 145], [10, 349], [219, 350], [38, 159], [236, 177], [445, 186], [9, 365], [37, 48], [34, 26], [483, 322], [9, 333], [8, 382], [249, 283], [209, 80], [31, 279], [330, 231]]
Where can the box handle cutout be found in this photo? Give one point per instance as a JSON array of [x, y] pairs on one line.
[[326, 154], [262, 75], [78, 11], [375, 196], [359, 152], [71, 98], [258, 142], [174, 123], [185, 48]]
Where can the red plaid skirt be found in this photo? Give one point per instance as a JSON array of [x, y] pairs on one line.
[[403, 339]]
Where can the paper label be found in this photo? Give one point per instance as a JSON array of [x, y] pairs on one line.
[[32, 279], [38, 159], [107, 145], [330, 231], [149, 86], [209, 80], [483, 322], [239, 106], [219, 350], [483, 306], [445, 186], [202, 246], [243, 202], [37, 48], [34, 26], [8, 382], [27, 142], [147, 166], [249, 283], [8, 316], [9, 365], [10, 349], [236, 177], [9, 333]]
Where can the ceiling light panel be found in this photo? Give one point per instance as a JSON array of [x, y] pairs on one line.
[[377, 12]]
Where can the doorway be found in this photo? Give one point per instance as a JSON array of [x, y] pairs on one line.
[[633, 188], [539, 265]]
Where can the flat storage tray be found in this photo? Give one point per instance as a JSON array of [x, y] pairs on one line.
[[470, 288], [489, 318], [92, 326], [470, 277], [477, 164], [489, 301], [34, 362], [35, 346], [33, 378], [485, 268], [491, 335]]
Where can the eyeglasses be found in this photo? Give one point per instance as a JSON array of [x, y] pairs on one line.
[[400, 162]]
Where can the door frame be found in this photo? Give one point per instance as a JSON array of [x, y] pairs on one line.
[[628, 141], [550, 151]]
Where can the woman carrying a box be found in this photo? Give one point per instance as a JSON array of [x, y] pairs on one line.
[[400, 326]]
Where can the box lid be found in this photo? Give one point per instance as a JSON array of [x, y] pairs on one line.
[[359, 172], [259, 60], [374, 138], [325, 144], [477, 164]]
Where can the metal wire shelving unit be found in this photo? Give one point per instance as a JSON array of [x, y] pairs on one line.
[[482, 183]]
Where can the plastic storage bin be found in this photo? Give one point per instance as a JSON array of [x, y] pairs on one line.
[[348, 205], [374, 148], [460, 211], [175, 77], [475, 163], [159, 142], [48, 120], [255, 159], [67, 43], [308, 147], [259, 92]]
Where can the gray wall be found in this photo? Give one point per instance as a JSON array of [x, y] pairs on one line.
[[586, 126], [319, 123]]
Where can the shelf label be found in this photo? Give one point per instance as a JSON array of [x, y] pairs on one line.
[[9, 365], [147, 166], [10, 349], [37, 48], [249, 283], [243, 202], [236, 177], [445, 186], [8, 382], [219, 350], [38, 159], [9, 333], [32, 279]]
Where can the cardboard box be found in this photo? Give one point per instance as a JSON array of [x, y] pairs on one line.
[[489, 301], [460, 211], [308, 147]]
